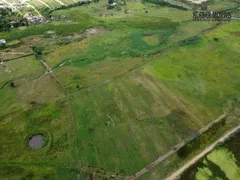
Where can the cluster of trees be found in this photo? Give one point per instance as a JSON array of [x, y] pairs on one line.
[[9, 19]]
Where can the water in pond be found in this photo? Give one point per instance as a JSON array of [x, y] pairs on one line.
[[36, 141]]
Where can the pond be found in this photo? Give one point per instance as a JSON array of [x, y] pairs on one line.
[[36, 141]]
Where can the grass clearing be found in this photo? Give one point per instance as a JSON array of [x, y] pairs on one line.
[[9, 101], [46, 118], [31, 91], [25, 67], [203, 77], [135, 116]]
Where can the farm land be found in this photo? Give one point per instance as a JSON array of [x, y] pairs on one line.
[[111, 90]]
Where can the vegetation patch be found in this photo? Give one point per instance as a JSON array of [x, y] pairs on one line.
[[121, 88], [151, 40], [214, 164], [9, 19]]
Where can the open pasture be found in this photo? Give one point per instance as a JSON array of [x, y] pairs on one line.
[[112, 90]]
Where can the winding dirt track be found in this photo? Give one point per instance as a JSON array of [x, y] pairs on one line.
[[176, 174]]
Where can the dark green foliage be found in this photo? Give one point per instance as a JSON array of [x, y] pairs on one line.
[[28, 176], [67, 173], [232, 144], [201, 140], [110, 1], [191, 40], [63, 29], [9, 18], [80, 3], [6, 170], [2, 46], [12, 84], [38, 51], [21, 172]]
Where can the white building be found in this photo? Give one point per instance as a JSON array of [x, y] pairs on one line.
[[3, 41]]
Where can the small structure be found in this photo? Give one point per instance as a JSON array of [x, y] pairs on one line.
[[34, 19], [113, 5], [62, 16], [3, 41], [13, 24]]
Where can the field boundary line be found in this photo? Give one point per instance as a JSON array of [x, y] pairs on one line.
[[153, 53], [23, 77], [16, 58]]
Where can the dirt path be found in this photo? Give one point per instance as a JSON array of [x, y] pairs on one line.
[[197, 1], [175, 149], [176, 174]]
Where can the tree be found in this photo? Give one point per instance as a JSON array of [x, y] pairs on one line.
[[38, 51], [7, 16], [12, 84], [110, 1]]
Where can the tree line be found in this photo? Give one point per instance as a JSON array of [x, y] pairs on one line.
[[10, 19]]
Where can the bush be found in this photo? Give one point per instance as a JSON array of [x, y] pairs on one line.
[[38, 51]]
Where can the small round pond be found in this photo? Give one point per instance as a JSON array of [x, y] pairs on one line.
[[36, 141]]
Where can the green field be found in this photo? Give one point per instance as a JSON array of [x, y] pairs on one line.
[[123, 86]]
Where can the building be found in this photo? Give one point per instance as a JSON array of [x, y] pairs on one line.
[[34, 19], [3, 41]]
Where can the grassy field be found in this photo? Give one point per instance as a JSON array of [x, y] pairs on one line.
[[201, 70], [135, 122], [164, 89], [125, 86]]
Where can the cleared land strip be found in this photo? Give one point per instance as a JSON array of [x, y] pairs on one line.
[[175, 149], [203, 153]]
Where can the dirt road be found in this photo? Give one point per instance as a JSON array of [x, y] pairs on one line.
[[176, 174], [175, 148]]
